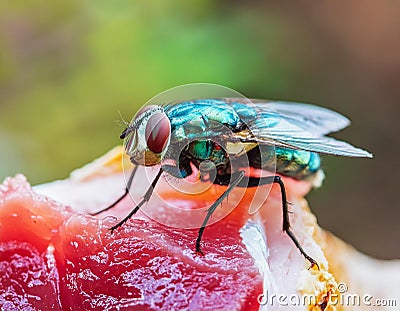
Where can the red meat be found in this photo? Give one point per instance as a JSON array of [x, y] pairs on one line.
[[53, 258]]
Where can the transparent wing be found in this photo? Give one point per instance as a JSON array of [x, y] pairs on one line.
[[299, 126], [313, 118], [317, 120]]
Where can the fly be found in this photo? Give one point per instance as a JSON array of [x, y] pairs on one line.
[[232, 134]]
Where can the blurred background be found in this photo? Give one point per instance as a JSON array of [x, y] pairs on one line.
[[67, 69]]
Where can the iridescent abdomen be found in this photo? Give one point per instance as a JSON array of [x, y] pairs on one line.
[[298, 164]]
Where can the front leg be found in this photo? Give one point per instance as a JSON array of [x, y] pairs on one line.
[[179, 172], [128, 186], [145, 199], [236, 178]]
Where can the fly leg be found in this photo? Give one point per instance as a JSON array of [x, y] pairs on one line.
[[145, 199], [237, 178], [128, 186], [259, 181]]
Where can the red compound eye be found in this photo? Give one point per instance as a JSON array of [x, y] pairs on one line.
[[158, 129]]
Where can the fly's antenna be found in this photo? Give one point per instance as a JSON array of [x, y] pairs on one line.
[[125, 124], [121, 122]]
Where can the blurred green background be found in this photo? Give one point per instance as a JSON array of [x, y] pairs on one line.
[[68, 67]]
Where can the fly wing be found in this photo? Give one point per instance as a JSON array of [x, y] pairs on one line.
[[299, 126], [317, 120]]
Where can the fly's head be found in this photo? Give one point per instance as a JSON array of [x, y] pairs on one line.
[[148, 136]]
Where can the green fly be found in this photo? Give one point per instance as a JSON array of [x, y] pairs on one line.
[[233, 134]]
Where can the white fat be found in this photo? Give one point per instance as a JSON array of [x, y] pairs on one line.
[[255, 240], [276, 282], [85, 196]]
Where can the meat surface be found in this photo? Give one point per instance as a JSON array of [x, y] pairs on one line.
[[55, 258]]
